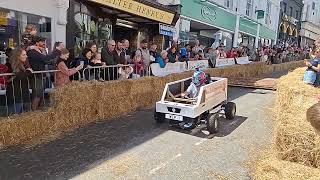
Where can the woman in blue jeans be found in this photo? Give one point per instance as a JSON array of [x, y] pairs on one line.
[[311, 75]]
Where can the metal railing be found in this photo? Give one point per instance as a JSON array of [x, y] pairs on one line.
[[115, 72]]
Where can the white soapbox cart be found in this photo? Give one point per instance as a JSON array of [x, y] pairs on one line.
[[210, 104]]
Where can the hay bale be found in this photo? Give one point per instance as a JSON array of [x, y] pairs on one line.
[[272, 168], [81, 103], [295, 138]]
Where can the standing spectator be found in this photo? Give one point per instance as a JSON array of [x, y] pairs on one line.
[[173, 55], [96, 73], [153, 51], [85, 61], [119, 54], [212, 57], [17, 94], [138, 67], [162, 59], [62, 77], [220, 51], [127, 52], [28, 35], [312, 72], [193, 53], [107, 56], [144, 52], [93, 47], [38, 60], [232, 53], [185, 52], [8, 64]]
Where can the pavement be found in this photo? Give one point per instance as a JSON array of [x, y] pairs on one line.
[[135, 147]]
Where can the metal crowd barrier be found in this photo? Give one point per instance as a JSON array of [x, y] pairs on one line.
[[16, 95], [115, 72]]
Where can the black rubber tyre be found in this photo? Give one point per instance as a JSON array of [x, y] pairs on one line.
[[159, 117], [190, 123], [213, 123], [230, 110]]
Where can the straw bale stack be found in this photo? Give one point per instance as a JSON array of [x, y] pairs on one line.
[[273, 168], [296, 150], [81, 103], [295, 138]]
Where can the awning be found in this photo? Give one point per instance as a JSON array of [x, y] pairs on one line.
[[149, 10]]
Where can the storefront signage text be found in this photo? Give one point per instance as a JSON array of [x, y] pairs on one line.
[[208, 13], [140, 9], [166, 30]]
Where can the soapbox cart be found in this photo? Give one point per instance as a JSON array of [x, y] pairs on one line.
[[186, 113]]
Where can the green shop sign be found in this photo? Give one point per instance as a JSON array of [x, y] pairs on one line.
[[208, 13], [267, 33], [248, 26]]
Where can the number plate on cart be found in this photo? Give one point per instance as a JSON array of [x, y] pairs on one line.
[[174, 117]]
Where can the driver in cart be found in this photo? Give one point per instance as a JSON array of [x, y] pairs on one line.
[[199, 79]]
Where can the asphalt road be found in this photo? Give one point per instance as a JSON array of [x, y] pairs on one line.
[[135, 147]]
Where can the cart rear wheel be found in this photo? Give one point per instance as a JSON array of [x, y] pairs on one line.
[[213, 123], [159, 117], [230, 110]]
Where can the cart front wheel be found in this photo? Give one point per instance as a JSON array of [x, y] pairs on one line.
[[230, 110], [212, 123]]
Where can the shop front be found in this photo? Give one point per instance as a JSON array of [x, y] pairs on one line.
[[15, 15], [248, 30], [100, 20], [289, 30], [207, 23]]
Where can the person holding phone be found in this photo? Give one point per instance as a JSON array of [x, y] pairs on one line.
[[62, 77], [313, 70]]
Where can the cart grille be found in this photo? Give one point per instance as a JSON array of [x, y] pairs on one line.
[[174, 110]]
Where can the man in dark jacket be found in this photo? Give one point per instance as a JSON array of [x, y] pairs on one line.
[[108, 57], [38, 59]]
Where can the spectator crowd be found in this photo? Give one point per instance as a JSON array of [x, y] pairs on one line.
[[29, 64]]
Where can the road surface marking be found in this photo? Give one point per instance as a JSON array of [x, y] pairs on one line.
[[162, 165], [200, 142]]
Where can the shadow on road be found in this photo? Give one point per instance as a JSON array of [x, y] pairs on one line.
[[68, 157], [225, 128]]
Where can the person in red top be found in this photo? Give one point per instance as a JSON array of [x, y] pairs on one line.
[[138, 67], [232, 53]]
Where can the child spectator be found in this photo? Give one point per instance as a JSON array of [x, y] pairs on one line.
[[28, 35], [138, 67], [96, 62], [125, 72], [62, 77]]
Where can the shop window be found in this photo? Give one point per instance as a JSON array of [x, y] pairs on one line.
[[248, 7], [313, 5], [13, 24], [284, 7], [90, 29], [228, 4], [291, 11], [268, 13]]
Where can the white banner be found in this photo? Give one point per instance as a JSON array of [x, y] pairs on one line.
[[225, 62], [177, 67], [243, 60], [170, 68], [201, 64]]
